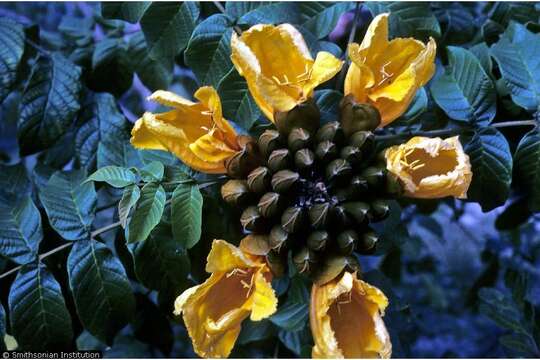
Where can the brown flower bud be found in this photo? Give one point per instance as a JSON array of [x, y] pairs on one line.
[[368, 243], [269, 204], [304, 260], [338, 170], [352, 154], [304, 159], [359, 185], [332, 132], [374, 176], [357, 210], [339, 217], [279, 160], [326, 151], [304, 115], [251, 219], [259, 179], [283, 180], [358, 116], [333, 266], [318, 214], [235, 192], [298, 138], [379, 210], [277, 263], [278, 238], [346, 242], [247, 159], [269, 141], [317, 240], [364, 140], [393, 185], [292, 219]]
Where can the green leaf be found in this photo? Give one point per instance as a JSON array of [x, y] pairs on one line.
[[320, 18], [186, 213], [172, 269], [2, 327], [457, 22], [70, 204], [291, 316], [527, 165], [167, 27], [39, 318], [417, 107], [152, 171], [481, 51], [500, 309], [14, 180], [11, 51], [20, 229], [516, 54], [465, 92], [49, 103], [236, 100], [328, 103], [255, 331], [115, 176], [130, 196], [103, 296], [520, 343], [104, 137], [111, 70], [264, 12], [131, 11], [153, 73], [408, 19], [209, 49], [491, 163], [147, 213], [295, 340]]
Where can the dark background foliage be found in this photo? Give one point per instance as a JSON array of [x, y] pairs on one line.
[[462, 277]]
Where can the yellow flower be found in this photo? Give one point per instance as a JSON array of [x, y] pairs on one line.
[[238, 287], [346, 320], [195, 132], [387, 74], [278, 68], [431, 167]]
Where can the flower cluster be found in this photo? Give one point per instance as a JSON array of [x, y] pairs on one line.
[[281, 74]]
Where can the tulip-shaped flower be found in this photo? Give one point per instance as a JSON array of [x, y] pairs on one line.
[[431, 167], [346, 319], [278, 68], [195, 132], [238, 287], [387, 74]]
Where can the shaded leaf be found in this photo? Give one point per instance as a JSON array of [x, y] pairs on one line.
[[131, 11], [208, 52], [14, 180], [515, 53], [20, 229], [115, 176], [186, 215], [39, 318], [49, 103], [465, 92], [320, 18], [238, 104], [148, 212], [328, 103], [527, 167], [101, 289], [291, 316], [167, 27], [491, 163], [11, 52], [70, 204], [130, 196], [263, 12]]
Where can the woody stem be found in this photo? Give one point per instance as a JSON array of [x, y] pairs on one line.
[[451, 132]]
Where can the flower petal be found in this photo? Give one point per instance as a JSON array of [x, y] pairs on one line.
[[357, 81], [225, 257], [212, 150], [431, 168], [264, 300], [168, 98], [346, 320], [374, 42], [325, 67]]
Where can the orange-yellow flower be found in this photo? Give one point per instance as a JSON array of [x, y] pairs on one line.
[[238, 287], [278, 68], [431, 167], [387, 74], [195, 132], [346, 320]]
